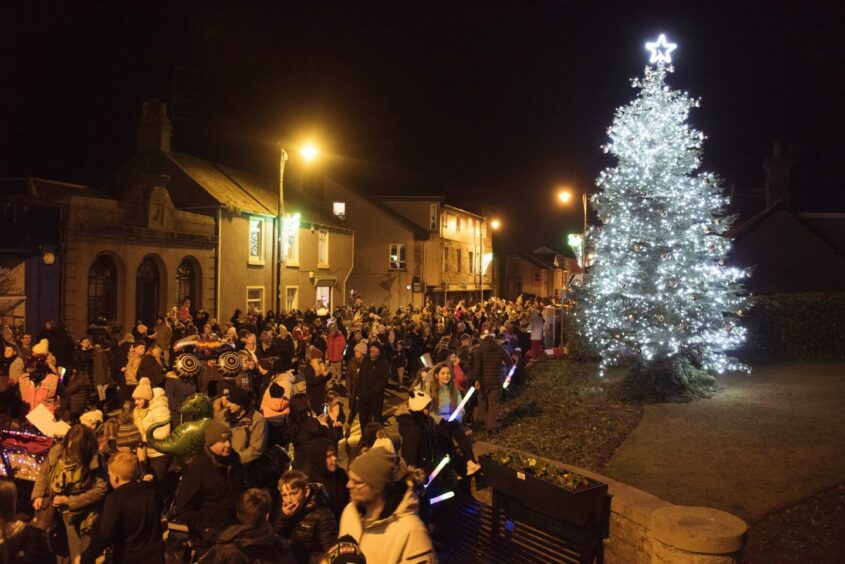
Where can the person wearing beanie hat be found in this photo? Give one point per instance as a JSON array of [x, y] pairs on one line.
[[382, 513], [143, 391], [156, 412], [346, 551], [43, 347], [92, 419], [249, 429], [205, 498]]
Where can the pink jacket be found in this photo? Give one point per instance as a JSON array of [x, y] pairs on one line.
[[43, 393]]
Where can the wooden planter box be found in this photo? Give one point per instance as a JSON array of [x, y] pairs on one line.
[[588, 506]]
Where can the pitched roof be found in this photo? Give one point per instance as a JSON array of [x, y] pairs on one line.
[[247, 192], [533, 260], [823, 234]]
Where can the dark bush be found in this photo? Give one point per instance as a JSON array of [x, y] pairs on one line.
[[795, 327]]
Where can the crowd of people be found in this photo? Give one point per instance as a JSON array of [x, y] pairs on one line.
[[193, 439]]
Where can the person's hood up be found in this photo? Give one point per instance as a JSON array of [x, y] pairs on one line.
[[256, 541], [408, 505], [489, 344], [316, 458]]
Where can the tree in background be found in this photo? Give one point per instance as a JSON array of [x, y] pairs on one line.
[[660, 293]]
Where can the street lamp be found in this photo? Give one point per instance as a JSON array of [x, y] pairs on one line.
[[565, 196], [309, 152]]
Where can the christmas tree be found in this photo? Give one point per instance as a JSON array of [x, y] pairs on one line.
[[661, 294]]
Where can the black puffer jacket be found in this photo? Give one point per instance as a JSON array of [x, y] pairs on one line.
[[417, 432], [245, 544], [313, 530], [487, 362]]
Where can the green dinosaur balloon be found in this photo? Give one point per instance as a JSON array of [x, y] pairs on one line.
[[188, 437]]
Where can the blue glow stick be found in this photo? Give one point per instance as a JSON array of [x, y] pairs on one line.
[[437, 470], [507, 381], [441, 497], [461, 405]]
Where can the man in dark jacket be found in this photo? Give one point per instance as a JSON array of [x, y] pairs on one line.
[[487, 362], [252, 540], [372, 380], [210, 487], [131, 517], [306, 519]]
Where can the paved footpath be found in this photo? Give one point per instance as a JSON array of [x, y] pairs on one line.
[[764, 443]]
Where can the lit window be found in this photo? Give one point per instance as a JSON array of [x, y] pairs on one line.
[[256, 241], [398, 259], [339, 209], [324, 297], [255, 299], [291, 238], [291, 298], [323, 249]]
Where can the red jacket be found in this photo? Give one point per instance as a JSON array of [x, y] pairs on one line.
[[335, 346]]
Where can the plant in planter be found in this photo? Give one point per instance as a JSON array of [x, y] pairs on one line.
[[543, 470]]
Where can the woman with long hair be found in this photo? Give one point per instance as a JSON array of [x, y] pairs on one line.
[[445, 398], [20, 543], [73, 481]]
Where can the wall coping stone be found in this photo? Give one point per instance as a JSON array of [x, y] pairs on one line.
[[698, 529]]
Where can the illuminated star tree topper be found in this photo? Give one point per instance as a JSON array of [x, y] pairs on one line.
[[660, 293], [661, 50]]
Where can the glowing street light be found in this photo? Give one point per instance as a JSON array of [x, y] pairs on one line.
[[309, 152], [495, 224], [564, 196]]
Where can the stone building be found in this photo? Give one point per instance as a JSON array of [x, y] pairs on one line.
[[242, 208], [123, 260]]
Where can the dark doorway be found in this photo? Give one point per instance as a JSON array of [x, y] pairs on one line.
[[147, 283]]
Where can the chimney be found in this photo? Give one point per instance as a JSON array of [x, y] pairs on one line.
[[777, 176], [154, 129]]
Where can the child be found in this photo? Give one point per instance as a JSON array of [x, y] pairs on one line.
[[131, 518]]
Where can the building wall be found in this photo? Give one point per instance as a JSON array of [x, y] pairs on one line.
[[121, 230], [309, 272], [375, 231], [418, 211], [521, 276], [462, 233], [238, 275]]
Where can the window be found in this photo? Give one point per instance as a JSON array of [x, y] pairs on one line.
[[339, 209], [324, 297], [432, 217], [102, 290], [323, 249], [536, 276], [291, 298], [292, 247], [446, 259], [471, 257], [255, 299], [186, 283], [256, 240], [460, 223], [398, 260], [458, 259], [147, 288]]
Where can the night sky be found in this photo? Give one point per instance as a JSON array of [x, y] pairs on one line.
[[492, 104]]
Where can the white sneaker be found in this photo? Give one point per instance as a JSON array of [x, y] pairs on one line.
[[472, 467]]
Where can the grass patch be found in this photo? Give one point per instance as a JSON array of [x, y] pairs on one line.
[[565, 413]]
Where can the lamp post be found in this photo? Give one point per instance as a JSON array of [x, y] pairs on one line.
[[565, 196], [308, 152]]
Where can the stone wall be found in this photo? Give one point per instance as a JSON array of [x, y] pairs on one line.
[[645, 529]]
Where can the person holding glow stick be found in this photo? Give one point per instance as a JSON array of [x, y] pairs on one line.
[[445, 400]]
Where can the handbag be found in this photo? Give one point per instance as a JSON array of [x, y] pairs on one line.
[[44, 518]]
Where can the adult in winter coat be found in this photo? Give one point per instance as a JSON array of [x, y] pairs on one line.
[[372, 380], [335, 347], [382, 516], [324, 469], [73, 481], [252, 540], [249, 429], [316, 376], [353, 368], [77, 394], [62, 346], [211, 484], [487, 362], [40, 384], [101, 367], [178, 388], [303, 427], [305, 519], [11, 364]]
